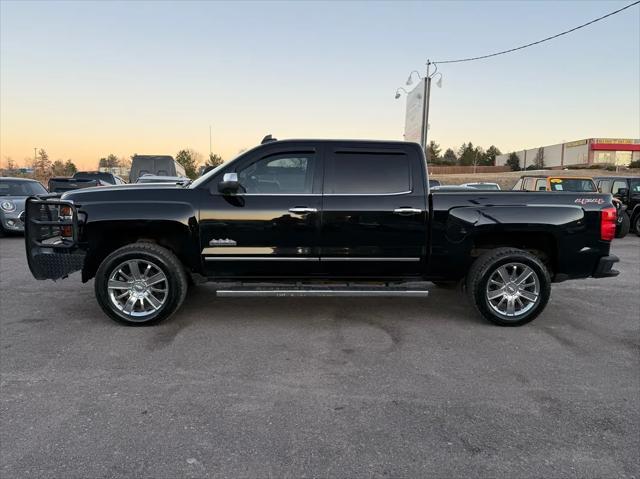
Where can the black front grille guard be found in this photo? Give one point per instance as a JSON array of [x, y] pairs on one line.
[[42, 223]]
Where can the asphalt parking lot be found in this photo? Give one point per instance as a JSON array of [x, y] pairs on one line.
[[319, 387]]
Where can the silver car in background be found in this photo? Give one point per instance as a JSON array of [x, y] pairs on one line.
[[13, 193], [483, 185]]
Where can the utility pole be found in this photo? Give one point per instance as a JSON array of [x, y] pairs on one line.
[[35, 156], [425, 110]]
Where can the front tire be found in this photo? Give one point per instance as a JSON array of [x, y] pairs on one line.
[[509, 286], [140, 284]]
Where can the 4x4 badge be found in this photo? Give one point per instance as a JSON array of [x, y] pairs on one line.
[[222, 242]]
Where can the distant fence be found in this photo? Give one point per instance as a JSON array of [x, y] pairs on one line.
[[452, 170]]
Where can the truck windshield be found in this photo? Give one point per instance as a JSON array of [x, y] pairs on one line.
[[572, 184], [206, 176]]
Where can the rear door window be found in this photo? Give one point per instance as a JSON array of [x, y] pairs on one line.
[[541, 184], [372, 173]]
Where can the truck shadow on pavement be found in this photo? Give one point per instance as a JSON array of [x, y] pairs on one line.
[[386, 315]]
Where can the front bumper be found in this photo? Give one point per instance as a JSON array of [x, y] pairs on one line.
[[52, 250], [604, 267]]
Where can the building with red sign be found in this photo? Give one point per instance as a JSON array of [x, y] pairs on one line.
[[591, 151]]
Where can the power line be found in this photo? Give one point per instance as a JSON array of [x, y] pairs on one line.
[[540, 41]]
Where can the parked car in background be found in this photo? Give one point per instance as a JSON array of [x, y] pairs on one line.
[[555, 183], [445, 188], [433, 183], [162, 179], [159, 165], [62, 184], [83, 179], [575, 184], [13, 193], [627, 190], [483, 186], [105, 177]]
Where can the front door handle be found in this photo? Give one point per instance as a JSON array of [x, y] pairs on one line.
[[303, 210], [407, 211]]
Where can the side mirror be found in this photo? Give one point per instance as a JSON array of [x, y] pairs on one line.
[[229, 184]]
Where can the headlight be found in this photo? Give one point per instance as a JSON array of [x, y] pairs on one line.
[[8, 206]]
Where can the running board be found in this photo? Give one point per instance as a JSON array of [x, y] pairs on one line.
[[322, 292]]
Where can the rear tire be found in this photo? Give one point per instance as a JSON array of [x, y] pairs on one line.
[[622, 229], [636, 224], [508, 286], [140, 284]]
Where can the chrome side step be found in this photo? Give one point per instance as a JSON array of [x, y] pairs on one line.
[[322, 292]]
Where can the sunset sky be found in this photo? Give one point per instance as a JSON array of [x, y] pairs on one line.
[[84, 79]]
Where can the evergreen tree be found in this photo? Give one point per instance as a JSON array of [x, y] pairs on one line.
[[449, 157], [433, 152], [189, 160], [514, 161]]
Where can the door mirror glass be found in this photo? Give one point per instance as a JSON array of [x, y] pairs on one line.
[[229, 184]]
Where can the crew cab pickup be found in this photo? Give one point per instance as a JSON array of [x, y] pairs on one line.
[[323, 218]]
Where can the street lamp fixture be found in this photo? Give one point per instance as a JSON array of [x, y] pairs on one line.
[[439, 82], [410, 80], [398, 94]]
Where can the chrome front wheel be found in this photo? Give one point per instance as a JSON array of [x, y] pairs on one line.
[[138, 288]]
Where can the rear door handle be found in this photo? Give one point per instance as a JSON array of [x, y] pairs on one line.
[[407, 211], [303, 210]]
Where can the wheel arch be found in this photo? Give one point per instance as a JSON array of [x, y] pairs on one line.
[[543, 245], [106, 237]]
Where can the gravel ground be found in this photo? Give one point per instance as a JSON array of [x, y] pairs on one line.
[[319, 387]]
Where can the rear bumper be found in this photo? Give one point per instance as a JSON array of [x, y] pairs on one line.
[[604, 267]]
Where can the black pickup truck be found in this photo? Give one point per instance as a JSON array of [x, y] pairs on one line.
[[323, 218]]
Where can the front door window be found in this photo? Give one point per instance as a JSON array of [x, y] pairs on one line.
[[282, 174]]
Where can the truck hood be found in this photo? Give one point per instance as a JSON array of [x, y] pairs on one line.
[[120, 192]]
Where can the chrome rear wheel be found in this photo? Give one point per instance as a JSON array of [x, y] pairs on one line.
[[513, 290], [508, 286]]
